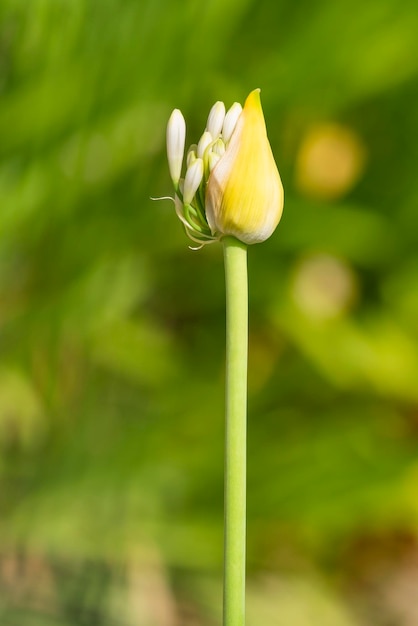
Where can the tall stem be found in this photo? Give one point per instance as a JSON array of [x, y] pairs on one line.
[[235, 255]]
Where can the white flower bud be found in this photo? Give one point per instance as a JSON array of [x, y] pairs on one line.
[[191, 155], [176, 135], [231, 119], [219, 147], [213, 158], [216, 119], [204, 141], [192, 181]]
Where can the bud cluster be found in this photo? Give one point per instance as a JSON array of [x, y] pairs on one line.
[[231, 185], [200, 160]]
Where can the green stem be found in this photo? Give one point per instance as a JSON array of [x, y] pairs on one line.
[[235, 255]]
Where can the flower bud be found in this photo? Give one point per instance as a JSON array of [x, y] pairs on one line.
[[219, 147], [192, 180], [216, 119], [230, 121], [204, 141], [244, 195], [213, 158], [191, 155], [231, 186], [176, 135]]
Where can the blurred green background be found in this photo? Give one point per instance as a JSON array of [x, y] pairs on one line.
[[112, 330]]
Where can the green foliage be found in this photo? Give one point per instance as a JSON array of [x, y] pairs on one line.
[[112, 330]]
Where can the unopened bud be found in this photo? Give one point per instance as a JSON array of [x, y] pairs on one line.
[[216, 119], [192, 180], [230, 121], [244, 194], [219, 147], [213, 158], [176, 135], [204, 141], [191, 155]]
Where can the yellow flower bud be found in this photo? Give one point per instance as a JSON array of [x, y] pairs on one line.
[[244, 195]]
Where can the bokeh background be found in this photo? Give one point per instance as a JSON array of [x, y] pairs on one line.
[[112, 330]]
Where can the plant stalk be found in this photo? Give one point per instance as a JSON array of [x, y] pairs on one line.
[[235, 257]]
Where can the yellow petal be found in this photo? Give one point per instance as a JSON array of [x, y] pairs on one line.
[[244, 195]]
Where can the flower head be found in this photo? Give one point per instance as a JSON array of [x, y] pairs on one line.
[[232, 185]]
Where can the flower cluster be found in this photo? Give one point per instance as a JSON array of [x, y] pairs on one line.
[[231, 185]]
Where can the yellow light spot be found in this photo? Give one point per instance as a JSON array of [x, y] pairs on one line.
[[330, 161]]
